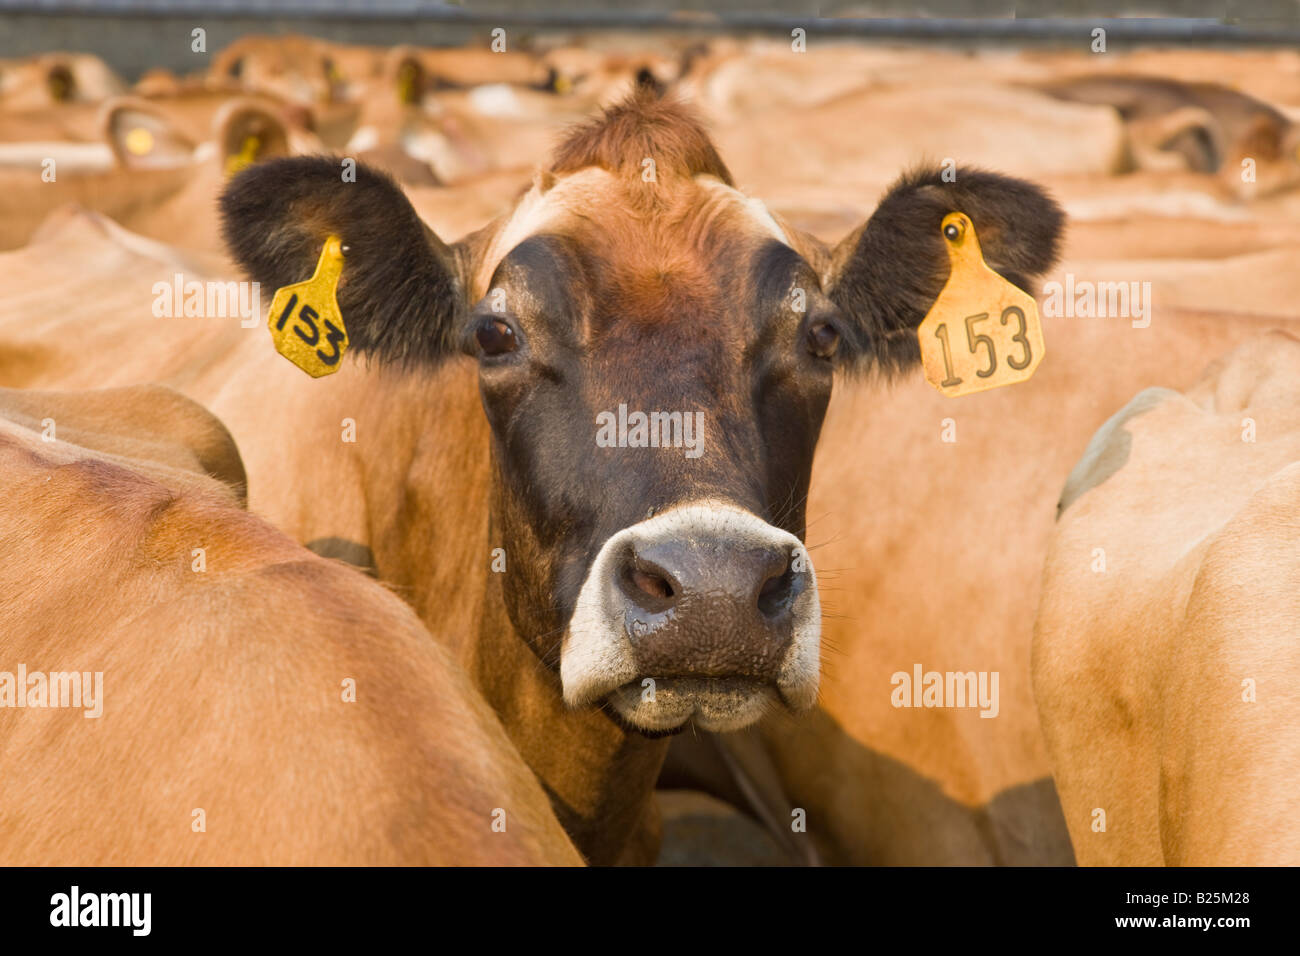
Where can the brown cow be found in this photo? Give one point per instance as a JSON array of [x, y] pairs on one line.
[[1203, 127], [302, 70], [168, 159], [878, 784], [453, 67], [295, 68], [642, 587], [942, 569], [49, 79], [1164, 654], [425, 131], [147, 428], [601, 77], [342, 84], [931, 791], [250, 702]]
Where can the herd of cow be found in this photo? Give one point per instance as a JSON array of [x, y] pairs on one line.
[[419, 610]]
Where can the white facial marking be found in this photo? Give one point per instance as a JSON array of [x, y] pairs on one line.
[[534, 211], [761, 213], [755, 208]]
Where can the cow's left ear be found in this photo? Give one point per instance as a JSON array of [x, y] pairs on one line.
[[886, 275], [401, 292]]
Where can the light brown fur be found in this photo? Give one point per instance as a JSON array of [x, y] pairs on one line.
[[1140, 668], [223, 688]]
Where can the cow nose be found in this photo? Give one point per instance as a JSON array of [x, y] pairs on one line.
[[661, 575], [709, 608], [704, 608]]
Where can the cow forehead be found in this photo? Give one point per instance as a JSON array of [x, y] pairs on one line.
[[593, 199]]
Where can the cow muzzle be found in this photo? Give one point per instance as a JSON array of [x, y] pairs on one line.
[[703, 612]]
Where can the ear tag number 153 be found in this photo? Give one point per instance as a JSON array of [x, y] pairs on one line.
[[305, 322], [982, 332]]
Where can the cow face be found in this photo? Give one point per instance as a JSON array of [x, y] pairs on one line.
[[655, 357], [655, 386], [295, 69]]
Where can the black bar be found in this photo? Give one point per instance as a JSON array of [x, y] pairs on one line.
[[922, 905]]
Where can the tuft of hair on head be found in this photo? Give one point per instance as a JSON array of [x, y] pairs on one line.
[[646, 124]]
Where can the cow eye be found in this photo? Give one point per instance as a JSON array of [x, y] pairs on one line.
[[495, 337], [823, 339]]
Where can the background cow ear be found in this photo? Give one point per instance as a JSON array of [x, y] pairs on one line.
[[141, 137], [61, 83], [885, 275], [247, 132], [401, 293]]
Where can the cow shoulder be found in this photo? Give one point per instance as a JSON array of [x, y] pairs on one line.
[[1108, 449], [1228, 770], [301, 706], [148, 427]]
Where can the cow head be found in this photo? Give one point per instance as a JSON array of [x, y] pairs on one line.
[[655, 354], [296, 69]]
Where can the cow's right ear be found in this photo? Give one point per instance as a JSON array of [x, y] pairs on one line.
[[401, 292]]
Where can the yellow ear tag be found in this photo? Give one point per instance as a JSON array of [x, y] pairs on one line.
[[406, 84], [982, 332], [246, 156], [138, 141], [305, 320]]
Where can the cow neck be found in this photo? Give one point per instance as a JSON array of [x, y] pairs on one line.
[[425, 491], [600, 777]]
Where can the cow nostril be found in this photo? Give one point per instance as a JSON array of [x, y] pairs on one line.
[[652, 584], [649, 584], [777, 593]]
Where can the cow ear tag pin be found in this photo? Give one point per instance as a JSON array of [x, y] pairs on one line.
[[982, 332], [305, 322]]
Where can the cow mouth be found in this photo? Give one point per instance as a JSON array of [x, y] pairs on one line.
[[716, 704]]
